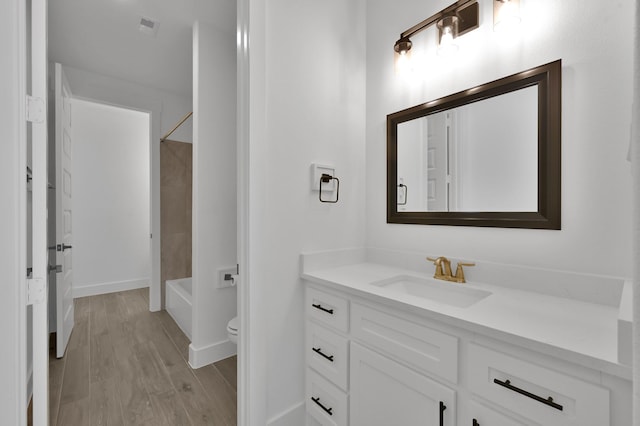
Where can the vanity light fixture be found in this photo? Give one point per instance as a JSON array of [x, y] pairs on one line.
[[452, 22], [403, 54], [506, 15]]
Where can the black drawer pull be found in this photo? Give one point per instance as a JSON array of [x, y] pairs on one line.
[[317, 401], [475, 423], [549, 401], [442, 408], [319, 352], [318, 306]]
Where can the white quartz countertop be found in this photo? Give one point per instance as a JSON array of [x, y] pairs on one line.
[[578, 331]]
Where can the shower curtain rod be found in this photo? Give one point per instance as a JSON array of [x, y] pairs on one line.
[[162, 139]]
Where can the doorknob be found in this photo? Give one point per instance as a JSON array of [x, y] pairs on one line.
[[62, 247]]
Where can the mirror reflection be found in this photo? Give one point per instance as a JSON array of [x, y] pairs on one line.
[[480, 157]]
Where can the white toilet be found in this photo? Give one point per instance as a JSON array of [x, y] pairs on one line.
[[232, 330]]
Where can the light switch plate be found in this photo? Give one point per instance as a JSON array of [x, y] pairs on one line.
[[316, 172]]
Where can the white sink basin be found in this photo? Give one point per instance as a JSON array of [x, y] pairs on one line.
[[445, 292]]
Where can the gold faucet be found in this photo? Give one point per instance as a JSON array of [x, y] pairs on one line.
[[443, 270]]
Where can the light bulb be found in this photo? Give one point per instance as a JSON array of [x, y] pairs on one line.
[[448, 27], [506, 16], [403, 63], [402, 55], [447, 45]]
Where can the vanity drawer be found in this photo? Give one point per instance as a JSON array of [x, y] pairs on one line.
[[479, 415], [328, 309], [545, 396], [328, 354], [420, 346], [327, 404]]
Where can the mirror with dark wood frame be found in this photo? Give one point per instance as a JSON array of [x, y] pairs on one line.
[[486, 156]]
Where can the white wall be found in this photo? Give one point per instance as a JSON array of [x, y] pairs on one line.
[[169, 107], [166, 110], [214, 191], [110, 222], [310, 74], [12, 164], [596, 185]]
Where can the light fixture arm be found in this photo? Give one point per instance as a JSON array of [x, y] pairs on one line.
[[449, 10], [466, 11]]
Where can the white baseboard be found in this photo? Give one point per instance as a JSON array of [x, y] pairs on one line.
[[199, 357], [111, 287], [294, 416]]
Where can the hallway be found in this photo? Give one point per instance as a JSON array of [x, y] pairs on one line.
[[127, 366]]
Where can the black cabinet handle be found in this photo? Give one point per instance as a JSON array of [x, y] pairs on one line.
[[319, 306], [327, 410], [548, 401], [475, 423], [442, 408], [319, 352]]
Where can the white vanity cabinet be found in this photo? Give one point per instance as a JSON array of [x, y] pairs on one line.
[[479, 414], [326, 404], [546, 396], [327, 354], [379, 390], [371, 363], [384, 393], [406, 339]]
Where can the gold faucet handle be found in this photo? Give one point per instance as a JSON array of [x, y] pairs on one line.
[[460, 272], [438, 262]]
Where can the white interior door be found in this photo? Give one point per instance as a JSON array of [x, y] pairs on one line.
[[437, 163], [64, 283]]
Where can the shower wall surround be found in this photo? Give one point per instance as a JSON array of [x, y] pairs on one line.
[[176, 182]]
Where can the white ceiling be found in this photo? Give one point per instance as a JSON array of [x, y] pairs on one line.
[[102, 36]]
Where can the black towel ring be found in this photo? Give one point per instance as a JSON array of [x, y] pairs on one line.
[[324, 179]]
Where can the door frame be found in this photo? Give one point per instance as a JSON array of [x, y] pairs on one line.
[[251, 126], [13, 259]]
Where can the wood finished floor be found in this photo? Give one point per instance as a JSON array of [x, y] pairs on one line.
[[127, 366]]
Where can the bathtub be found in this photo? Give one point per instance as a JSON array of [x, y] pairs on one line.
[[178, 303]]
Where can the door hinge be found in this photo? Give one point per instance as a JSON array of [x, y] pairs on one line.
[[35, 109], [36, 290]]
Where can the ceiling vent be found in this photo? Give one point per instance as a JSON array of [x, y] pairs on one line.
[[149, 26]]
